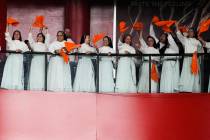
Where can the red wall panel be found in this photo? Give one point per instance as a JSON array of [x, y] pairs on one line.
[[28, 115]]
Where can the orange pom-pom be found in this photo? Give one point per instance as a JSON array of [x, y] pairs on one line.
[[39, 22], [98, 37], [71, 46], [138, 26], [122, 26], [12, 21]]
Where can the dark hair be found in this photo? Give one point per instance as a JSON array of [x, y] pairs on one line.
[[166, 43], [155, 44], [83, 38], [43, 36], [125, 36], [13, 36], [63, 33], [194, 31], [110, 41], [66, 37]]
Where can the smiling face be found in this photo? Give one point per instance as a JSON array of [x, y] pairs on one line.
[[128, 40], [191, 33], [106, 41], [68, 32], [163, 38], [40, 38], [60, 36], [150, 42], [17, 35], [87, 39]]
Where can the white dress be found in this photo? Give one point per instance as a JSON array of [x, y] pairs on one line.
[[126, 71], [13, 76], [106, 79], [85, 75], [37, 69], [188, 82], [170, 71], [143, 85], [59, 76]]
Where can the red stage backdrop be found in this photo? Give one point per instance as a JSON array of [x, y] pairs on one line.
[[3, 16], [48, 116]]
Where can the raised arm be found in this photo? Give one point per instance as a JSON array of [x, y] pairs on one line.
[[120, 43], [172, 43], [7, 35], [152, 33], [30, 38], [179, 35], [142, 42], [47, 39]]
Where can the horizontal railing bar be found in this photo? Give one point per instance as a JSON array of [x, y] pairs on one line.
[[104, 54]]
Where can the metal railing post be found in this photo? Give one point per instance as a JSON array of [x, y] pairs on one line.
[[45, 84], [150, 73], [97, 73]]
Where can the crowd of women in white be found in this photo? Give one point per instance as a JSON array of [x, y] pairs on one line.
[[59, 77]]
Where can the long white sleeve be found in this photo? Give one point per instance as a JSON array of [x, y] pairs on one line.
[[52, 47], [143, 45], [207, 45], [119, 44], [8, 40], [181, 37], [30, 39], [47, 39], [152, 33], [24, 47], [172, 43], [86, 48]]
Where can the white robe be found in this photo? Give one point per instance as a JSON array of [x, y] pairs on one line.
[[126, 71], [170, 71], [37, 69], [13, 76], [143, 85], [85, 75], [58, 77], [106, 78], [193, 81]]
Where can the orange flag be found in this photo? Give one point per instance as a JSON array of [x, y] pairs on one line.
[[154, 73], [138, 26], [39, 22], [122, 26], [71, 46], [12, 21], [164, 24], [65, 56], [98, 37], [194, 64], [167, 23], [183, 29], [166, 29], [204, 26], [155, 19]]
